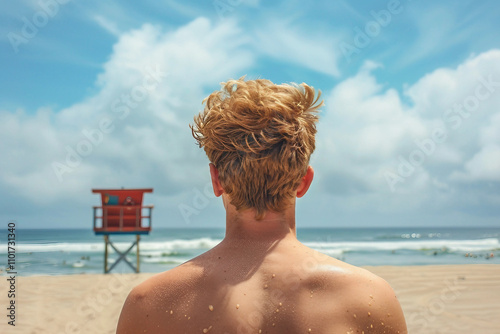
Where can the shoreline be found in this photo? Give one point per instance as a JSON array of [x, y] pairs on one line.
[[435, 299]]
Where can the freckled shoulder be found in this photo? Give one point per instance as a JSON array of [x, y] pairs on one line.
[[372, 304], [366, 300], [147, 299]]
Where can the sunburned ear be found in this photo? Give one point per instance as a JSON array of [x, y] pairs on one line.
[[306, 182], [214, 173]]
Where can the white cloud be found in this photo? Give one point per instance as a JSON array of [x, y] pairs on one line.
[[485, 164], [437, 30], [464, 100], [108, 25], [366, 126], [147, 145], [283, 39], [366, 130], [148, 142]]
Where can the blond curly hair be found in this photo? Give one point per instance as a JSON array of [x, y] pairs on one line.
[[260, 137]]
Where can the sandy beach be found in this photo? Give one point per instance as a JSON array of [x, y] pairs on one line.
[[435, 299]]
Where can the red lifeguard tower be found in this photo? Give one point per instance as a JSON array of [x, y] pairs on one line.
[[122, 212]]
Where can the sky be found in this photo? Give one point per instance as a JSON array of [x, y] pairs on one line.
[[100, 94]]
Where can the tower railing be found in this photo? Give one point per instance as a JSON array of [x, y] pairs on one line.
[[130, 219]]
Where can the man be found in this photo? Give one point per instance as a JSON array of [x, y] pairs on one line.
[[259, 137]]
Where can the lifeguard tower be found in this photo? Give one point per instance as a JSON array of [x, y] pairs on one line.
[[122, 212]]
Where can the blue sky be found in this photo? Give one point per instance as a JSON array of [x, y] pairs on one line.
[[99, 94]]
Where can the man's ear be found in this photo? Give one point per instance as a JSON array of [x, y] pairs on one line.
[[305, 182], [214, 173]]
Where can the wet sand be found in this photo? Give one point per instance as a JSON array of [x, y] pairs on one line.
[[435, 299]]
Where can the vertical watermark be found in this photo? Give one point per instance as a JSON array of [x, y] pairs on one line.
[[11, 272]]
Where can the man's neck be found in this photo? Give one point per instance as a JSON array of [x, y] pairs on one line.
[[275, 226]]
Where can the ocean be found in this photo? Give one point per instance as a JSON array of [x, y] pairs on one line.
[[78, 251]]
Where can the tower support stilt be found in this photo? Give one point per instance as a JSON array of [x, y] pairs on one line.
[[122, 255]]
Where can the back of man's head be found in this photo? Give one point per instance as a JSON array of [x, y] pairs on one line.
[[260, 137]]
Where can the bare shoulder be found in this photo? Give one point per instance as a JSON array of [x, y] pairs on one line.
[[365, 300], [369, 302], [378, 309], [153, 298]]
